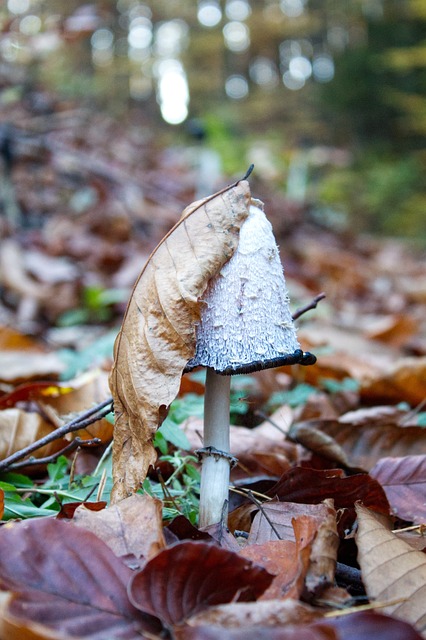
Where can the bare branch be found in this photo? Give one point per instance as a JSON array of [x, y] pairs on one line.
[[312, 305], [83, 420]]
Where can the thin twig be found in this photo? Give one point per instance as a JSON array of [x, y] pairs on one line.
[[242, 491], [83, 420], [263, 512], [312, 305], [78, 442], [267, 418]]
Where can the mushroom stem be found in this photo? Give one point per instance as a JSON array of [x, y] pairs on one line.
[[215, 468]]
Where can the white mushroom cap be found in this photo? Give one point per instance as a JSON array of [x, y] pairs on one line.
[[246, 324]]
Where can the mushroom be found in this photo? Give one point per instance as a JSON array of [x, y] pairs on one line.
[[245, 326]]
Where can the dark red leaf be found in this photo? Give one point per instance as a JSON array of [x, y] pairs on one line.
[[311, 486], [67, 510], [356, 626], [190, 576], [404, 482], [259, 633], [184, 530], [68, 579], [366, 625]]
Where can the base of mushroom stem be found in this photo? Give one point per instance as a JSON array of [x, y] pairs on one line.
[[214, 490]]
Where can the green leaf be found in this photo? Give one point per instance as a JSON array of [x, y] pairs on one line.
[[172, 433], [335, 386], [421, 419], [294, 398], [58, 470], [16, 480]]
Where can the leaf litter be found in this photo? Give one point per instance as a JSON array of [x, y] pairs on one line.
[[305, 511]]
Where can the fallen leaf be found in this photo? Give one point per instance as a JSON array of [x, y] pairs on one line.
[[260, 450], [395, 329], [190, 576], [157, 337], [11, 340], [133, 526], [68, 509], [312, 486], [287, 561], [323, 558], [356, 626], [22, 366], [248, 614], [274, 520], [19, 429], [391, 569], [402, 381], [404, 482], [66, 578], [360, 445]]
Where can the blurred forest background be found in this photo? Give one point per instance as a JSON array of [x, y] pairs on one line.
[[326, 97]]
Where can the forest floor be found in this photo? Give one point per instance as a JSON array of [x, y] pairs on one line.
[[328, 506]]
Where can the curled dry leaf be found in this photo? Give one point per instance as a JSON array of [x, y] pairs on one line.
[[391, 569], [133, 526], [404, 482], [361, 446], [157, 337], [190, 576]]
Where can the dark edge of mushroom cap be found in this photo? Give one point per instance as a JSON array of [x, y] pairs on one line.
[[304, 358]]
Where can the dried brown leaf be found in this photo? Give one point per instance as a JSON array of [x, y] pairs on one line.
[[22, 366], [157, 337], [404, 482], [404, 380], [360, 445], [391, 569], [287, 561], [323, 558], [20, 428], [133, 526]]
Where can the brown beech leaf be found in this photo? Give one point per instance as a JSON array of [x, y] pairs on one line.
[[66, 578], [391, 569], [21, 366], [133, 526], [356, 626], [157, 337], [404, 380], [287, 561], [361, 445], [190, 576], [404, 482], [20, 428], [274, 520]]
